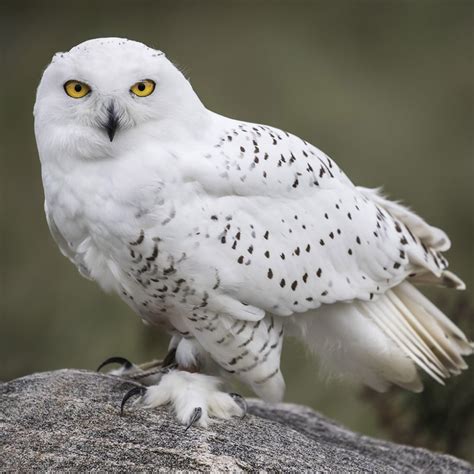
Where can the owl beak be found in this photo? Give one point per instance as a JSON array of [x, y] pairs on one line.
[[112, 122]]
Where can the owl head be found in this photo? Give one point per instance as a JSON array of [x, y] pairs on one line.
[[107, 92]]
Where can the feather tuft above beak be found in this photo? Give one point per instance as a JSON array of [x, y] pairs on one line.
[[112, 122]]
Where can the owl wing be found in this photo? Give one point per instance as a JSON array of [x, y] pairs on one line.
[[289, 231], [67, 250]]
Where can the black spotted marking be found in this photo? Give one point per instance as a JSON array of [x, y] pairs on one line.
[[140, 238], [297, 251], [242, 328], [319, 273], [169, 270], [267, 254], [272, 324], [282, 282], [305, 278], [270, 273], [239, 357], [265, 345], [308, 248], [250, 249], [265, 236], [321, 242], [154, 254], [294, 285], [396, 265], [138, 259], [216, 285], [268, 377]]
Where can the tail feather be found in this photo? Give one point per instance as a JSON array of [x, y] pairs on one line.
[[451, 332], [447, 279], [348, 343], [412, 348], [382, 341], [429, 336]]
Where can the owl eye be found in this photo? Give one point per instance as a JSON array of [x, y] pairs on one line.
[[76, 89], [143, 88]]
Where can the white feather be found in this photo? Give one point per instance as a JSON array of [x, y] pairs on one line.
[[376, 341], [220, 229]]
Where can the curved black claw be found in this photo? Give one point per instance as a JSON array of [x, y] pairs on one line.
[[126, 364], [197, 413], [240, 400], [170, 359], [134, 391]]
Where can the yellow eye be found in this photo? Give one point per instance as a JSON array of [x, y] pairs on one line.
[[143, 88], [76, 89]]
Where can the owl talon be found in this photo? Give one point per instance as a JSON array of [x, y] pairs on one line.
[[196, 415], [134, 391], [241, 402], [125, 363]]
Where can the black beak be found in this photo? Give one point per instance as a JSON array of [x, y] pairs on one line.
[[112, 121]]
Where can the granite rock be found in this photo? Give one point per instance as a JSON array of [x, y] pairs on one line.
[[69, 420]]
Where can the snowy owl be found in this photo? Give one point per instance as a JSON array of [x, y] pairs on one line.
[[230, 235]]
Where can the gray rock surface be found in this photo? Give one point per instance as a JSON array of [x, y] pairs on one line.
[[69, 419]]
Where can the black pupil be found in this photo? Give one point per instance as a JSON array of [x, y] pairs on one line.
[[78, 88], [141, 86]]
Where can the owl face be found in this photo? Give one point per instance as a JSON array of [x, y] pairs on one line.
[[104, 90]]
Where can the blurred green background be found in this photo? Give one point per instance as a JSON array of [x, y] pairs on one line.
[[384, 87]]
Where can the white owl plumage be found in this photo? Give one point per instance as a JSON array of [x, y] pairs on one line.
[[231, 234]]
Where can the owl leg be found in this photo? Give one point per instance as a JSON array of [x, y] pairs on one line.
[[195, 397]]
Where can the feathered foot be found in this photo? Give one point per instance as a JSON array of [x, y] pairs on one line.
[[195, 398]]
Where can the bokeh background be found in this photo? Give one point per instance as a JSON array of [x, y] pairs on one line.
[[384, 87]]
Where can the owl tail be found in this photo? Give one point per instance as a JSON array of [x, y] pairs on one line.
[[381, 342]]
